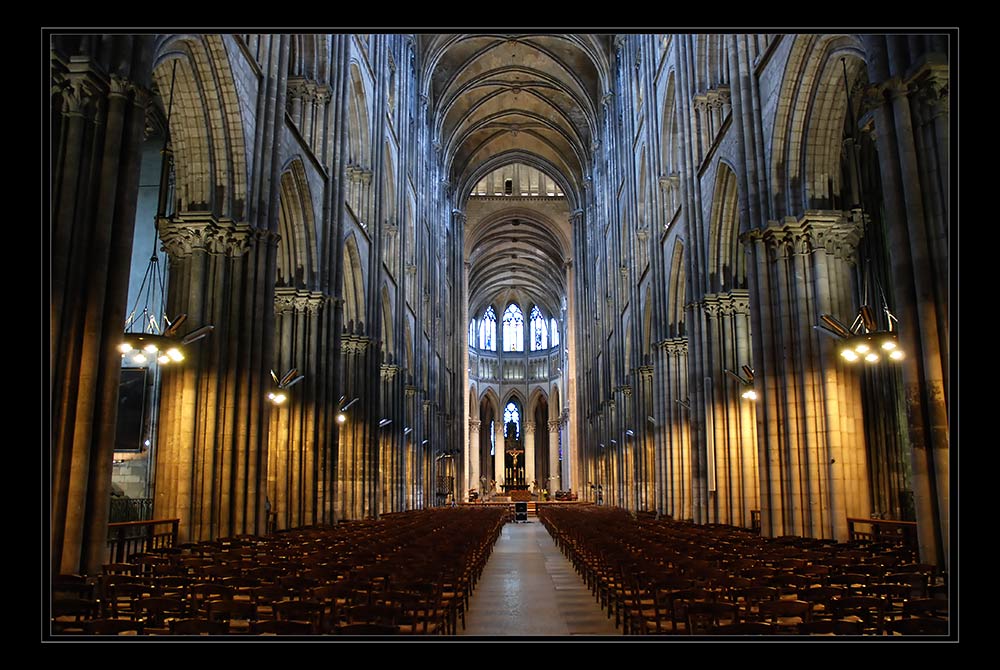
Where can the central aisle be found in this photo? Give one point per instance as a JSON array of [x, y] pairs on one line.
[[528, 588]]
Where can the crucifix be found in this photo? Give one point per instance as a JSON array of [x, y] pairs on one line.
[[514, 452]]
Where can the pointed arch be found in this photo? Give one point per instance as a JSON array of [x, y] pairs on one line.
[[408, 345], [354, 283], [206, 126], [555, 408], [647, 323], [534, 398], [805, 153], [726, 267], [358, 125], [297, 260], [388, 333], [675, 292]]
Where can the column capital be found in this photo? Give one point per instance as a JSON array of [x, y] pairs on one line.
[[554, 425], [474, 425], [184, 234], [833, 232], [354, 344], [529, 427], [290, 299]]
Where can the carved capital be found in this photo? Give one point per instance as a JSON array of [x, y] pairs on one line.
[[834, 233], [183, 235], [354, 344], [411, 391], [388, 371], [529, 427], [474, 425], [554, 425], [118, 87], [287, 299], [646, 372], [675, 347]]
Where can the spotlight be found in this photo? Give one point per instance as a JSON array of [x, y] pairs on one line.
[[849, 355], [277, 398], [125, 348], [175, 354], [872, 357], [163, 359], [750, 394], [150, 348], [862, 348], [341, 418], [897, 355], [888, 345], [139, 358]]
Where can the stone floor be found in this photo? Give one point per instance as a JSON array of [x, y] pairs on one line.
[[529, 589]]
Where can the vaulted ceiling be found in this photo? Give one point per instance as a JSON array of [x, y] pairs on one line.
[[533, 99]]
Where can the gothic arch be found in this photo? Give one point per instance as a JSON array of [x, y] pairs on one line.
[[388, 334], [555, 408], [676, 292], [354, 283], [296, 224], [358, 126], [647, 322], [726, 266], [536, 396], [805, 153], [206, 126]]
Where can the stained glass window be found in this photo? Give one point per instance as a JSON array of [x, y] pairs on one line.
[[488, 330], [513, 328], [510, 413], [539, 330], [555, 333]]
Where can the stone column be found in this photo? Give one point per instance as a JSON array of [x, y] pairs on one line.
[[555, 481], [498, 453], [473, 455], [98, 115], [529, 452], [812, 455]]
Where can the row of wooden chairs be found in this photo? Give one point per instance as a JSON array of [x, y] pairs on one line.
[[412, 573], [667, 577]]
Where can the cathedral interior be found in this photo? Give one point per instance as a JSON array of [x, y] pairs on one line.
[[309, 280]]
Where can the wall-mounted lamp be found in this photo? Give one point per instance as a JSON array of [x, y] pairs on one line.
[[407, 430], [278, 395], [384, 422], [629, 432], [424, 442], [341, 414], [749, 393]]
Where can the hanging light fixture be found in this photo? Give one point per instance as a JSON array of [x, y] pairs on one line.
[[749, 393], [277, 395], [145, 341], [868, 338]]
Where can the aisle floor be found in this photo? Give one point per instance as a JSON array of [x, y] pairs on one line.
[[528, 588]]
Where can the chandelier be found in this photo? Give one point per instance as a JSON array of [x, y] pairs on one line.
[[150, 336], [868, 338]]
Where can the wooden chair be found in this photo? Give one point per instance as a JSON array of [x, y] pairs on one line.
[[278, 627], [745, 628], [821, 597], [868, 610], [121, 598], [830, 627], [367, 629], [157, 611], [198, 627], [237, 614], [309, 611], [704, 617], [749, 600], [926, 608], [917, 626], [786, 615], [70, 614], [200, 593], [113, 627]]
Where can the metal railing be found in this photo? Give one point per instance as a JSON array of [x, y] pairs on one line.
[[132, 537], [130, 509]]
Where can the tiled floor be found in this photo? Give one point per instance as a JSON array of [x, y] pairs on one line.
[[528, 588]]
